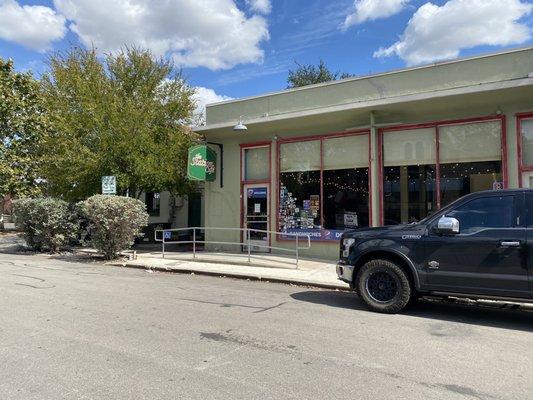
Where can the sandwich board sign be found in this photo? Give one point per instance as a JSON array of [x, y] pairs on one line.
[[109, 185], [201, 164]]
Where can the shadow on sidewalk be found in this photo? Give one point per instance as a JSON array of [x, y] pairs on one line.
[[443, 310]]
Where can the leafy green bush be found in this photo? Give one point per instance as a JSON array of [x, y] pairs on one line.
[[113, 222], [46, 223]]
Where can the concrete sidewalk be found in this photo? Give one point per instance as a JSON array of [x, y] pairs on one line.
[[262, 267]]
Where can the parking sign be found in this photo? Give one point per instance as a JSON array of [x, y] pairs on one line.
[[109, 185]]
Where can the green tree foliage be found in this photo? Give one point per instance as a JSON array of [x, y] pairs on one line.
[[23, 124], [309, 74], [114, 222], [125, 115]]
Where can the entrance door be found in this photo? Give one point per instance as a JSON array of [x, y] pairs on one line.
[[255, 210], [194, 212]]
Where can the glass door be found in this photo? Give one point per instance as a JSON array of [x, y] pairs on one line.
[[255, 215]]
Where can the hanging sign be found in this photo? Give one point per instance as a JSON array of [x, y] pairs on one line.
[[201, 164], [109, 185]]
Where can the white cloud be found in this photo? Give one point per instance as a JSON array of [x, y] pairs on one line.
[[439, 33], [211, 33], [369, 10], [204, 96], [34, 27], [260, 6]]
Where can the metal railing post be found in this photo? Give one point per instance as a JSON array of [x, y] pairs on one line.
[[297, 251], [163, 246], [194, 243], [249, 248]]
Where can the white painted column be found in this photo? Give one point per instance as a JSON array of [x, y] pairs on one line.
[[374, 171]]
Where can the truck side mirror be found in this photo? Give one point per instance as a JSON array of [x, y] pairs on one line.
[[448, 225]]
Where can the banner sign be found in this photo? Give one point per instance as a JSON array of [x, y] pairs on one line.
[[109, 185], [201, 164], [257, 193], [315, 234]]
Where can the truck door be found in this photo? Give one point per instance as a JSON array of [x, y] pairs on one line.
[[529, 239], [488, 256]]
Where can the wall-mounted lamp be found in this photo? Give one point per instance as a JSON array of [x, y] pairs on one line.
[[240, 127]]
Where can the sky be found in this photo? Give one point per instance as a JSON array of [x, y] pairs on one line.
[[237, 48]]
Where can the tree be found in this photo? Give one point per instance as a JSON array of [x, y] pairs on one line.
[[24, 123], [124, 115], [309, 74]]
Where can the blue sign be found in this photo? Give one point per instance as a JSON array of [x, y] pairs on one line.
[[257, 193], [315, 234], [167, 235]]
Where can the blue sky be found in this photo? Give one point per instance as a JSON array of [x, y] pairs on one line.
[[237, 48]]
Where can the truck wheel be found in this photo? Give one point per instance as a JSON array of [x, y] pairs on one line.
[[383, 286]]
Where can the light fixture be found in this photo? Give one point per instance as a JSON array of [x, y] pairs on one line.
[[240, 127]]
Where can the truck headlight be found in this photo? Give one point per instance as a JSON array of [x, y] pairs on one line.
[[346, 244]]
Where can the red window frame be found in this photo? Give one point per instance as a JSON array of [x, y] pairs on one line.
[[267, 182], [436, 125], [321, 138], [519, 146]]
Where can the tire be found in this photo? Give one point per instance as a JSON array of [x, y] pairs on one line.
[[383, 286]]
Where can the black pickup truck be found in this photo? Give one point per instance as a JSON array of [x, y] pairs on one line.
[[480, 246]]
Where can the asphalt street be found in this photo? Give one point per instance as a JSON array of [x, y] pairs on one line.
[[87, 331]]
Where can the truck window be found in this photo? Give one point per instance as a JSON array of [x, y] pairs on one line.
[[494, 212]]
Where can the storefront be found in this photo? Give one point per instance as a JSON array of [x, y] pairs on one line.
[[380, 150]]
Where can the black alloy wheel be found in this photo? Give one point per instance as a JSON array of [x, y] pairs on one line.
[[384, 286]]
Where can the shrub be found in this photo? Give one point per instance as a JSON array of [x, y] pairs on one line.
[[46, 223], [113, 222]]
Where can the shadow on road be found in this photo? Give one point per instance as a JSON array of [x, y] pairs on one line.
[[442, 310]]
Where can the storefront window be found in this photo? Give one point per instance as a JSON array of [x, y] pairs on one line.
[[299, 192], [470, 159], [409, 175], [345, 179], [324, 196], [527, 141], [300, 200], [256, 163]]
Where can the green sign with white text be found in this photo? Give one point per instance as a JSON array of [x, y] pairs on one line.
[[201, 165]]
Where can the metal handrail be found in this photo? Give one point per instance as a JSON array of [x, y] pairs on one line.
[[247, 232]]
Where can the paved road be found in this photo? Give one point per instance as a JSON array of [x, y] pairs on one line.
[[87, 331]]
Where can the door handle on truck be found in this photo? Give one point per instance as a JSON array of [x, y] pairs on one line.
[[511, 243]]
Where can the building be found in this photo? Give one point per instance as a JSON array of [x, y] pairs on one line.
[[382, 149]]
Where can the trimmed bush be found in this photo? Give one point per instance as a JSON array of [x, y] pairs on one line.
[[113, 222], [46, 223]]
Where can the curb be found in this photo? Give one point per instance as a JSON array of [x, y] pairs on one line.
[[182, 270]]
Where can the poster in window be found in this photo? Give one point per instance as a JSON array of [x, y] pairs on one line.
[[350, 219]]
